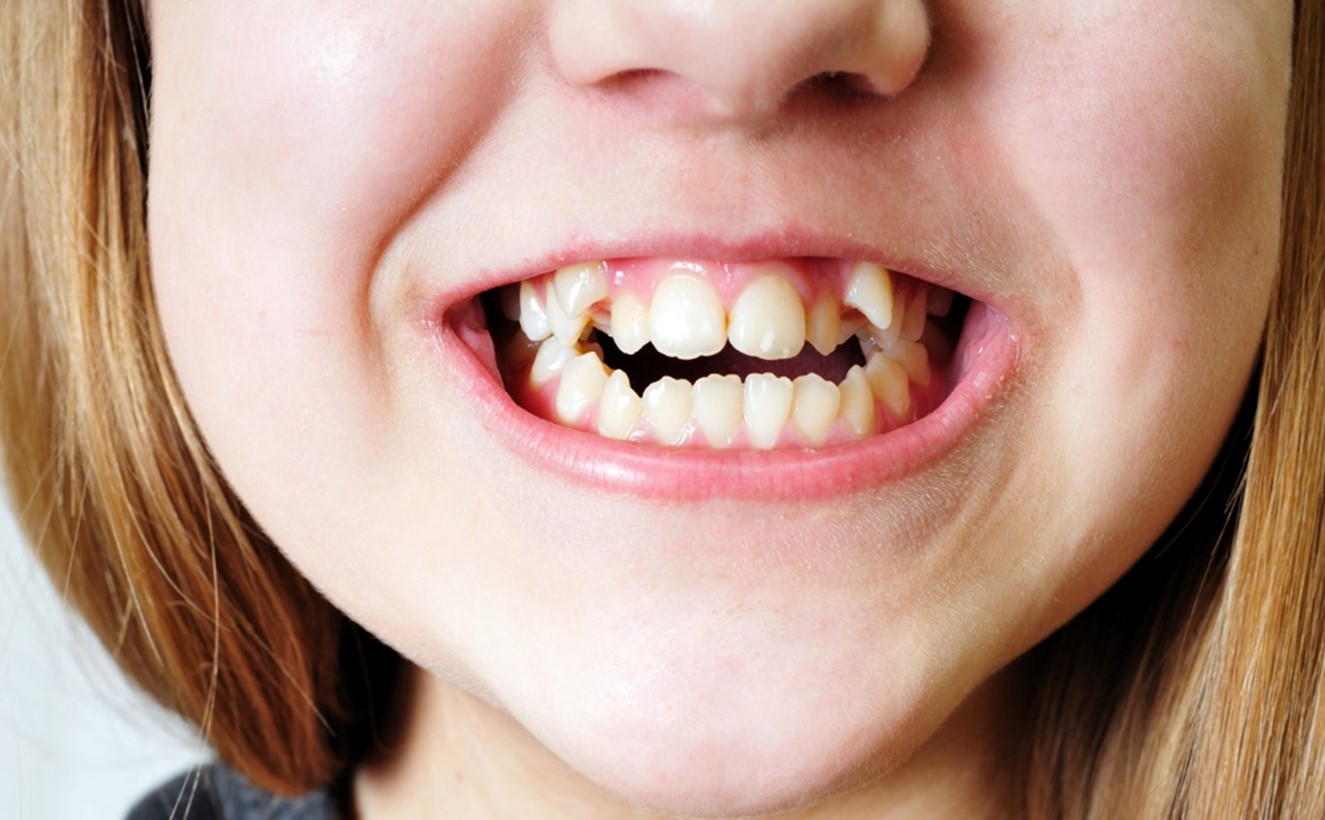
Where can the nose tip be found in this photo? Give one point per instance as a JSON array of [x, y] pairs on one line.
[[743, 58]]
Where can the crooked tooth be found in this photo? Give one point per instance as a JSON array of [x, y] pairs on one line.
[[869, 289], [567, 329], [533, 318], [914, 359], [717, 407], [913, 320], [620, 408], [583, 380], [579, 286], [768, 320], [630, 323], [824, 325], [857, 408], [686, 319], [889, 384], [551, 359], [815, 405], [667, 408], [850, 326], [767, 407]]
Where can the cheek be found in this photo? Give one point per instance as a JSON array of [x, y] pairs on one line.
[[289, 142]]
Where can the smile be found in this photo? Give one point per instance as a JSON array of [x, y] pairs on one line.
[[822, 363]]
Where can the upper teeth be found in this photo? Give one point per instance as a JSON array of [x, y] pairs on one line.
[[764, 316]]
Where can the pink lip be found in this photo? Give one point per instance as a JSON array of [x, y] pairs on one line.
[[989, 346]]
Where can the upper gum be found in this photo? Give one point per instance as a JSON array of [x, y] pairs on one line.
[[812, 277]]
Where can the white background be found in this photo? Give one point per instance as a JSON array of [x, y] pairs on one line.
[[76, 741]]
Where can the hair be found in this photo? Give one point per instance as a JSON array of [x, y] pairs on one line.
[[1192, 688]]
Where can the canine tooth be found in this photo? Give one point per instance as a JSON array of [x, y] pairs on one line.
[[533, 318], [568, 329], [814, 406], [551, 359], [582, 383], [767, 407], [509, 299], [579, 286], [686, 319], [768, 320], [824, 324], [718, 407], [870, 290], [913, 320], [940, 301], [914, 359], [630, 323], [620, 408], [857, 406], [667, 406], [888, 381]]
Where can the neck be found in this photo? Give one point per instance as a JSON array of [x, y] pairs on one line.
[[458, 756]]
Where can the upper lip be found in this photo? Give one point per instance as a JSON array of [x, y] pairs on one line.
[[778, 242]]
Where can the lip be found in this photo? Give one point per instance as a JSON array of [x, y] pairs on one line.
[[689, 474]]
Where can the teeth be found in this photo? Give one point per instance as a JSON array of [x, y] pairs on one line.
[[888, 382], [869, 289], [582, 383], [667, 406], [857, 402], [717, 401], [914, 359], [578, 287], [630, 323], [687, 320], [551, 359], [567, 329], [768, 320], [533, 319], [767, 407], [913, 321], [824, 325], [815, 406], [620, 408]]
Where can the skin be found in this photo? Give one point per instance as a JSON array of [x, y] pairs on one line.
[[1110, 168]]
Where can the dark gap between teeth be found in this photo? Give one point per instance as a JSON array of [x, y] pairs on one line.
[[648, 365]]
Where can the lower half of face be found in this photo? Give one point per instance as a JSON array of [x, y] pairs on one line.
[[726, 445]]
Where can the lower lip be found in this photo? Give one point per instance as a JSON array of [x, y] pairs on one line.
[[990, 349]]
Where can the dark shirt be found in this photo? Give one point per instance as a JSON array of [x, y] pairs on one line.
[[215, 792]]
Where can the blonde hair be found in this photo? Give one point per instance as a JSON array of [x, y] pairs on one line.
[[1192, 688]]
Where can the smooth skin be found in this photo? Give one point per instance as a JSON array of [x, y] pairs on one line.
[[320, 170]]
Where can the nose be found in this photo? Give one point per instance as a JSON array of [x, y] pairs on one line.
[[743, 57]]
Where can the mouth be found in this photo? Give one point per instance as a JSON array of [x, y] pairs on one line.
[[808, 358]]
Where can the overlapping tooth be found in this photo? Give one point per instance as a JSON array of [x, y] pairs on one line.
[[913, 319], [717, 407], [815, 404], [620, 408], [583, 381], [686, 319], [551, 358], [914, 359], [768, 319], [850, 326], [630, 322], [578, 287], [567, 329], [869, 289], [889, 384], [823, 325], [767, 406], [667, 408], [857, 408], [533, 318]]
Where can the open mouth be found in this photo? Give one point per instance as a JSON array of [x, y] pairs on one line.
[[782, 354]]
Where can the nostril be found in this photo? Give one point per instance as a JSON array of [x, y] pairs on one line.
[[842, 85]]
